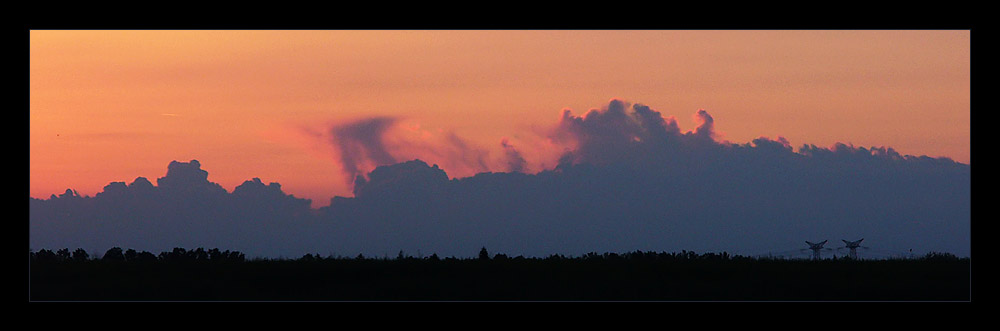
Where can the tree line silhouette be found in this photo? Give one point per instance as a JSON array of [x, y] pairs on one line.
[[216, 275], [179, 254], [116, 254]]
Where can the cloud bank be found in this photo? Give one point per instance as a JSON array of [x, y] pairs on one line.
[[184, 209], [629, 179]]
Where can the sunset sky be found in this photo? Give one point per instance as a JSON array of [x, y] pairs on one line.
[[115, 105]]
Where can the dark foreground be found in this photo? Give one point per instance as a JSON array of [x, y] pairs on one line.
[[637, 276]]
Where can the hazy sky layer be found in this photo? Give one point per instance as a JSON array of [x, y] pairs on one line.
[[115, 105]]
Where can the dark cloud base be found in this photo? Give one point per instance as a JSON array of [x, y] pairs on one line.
[[634, 181]]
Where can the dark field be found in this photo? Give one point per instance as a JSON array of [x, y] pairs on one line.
[[638, 276]]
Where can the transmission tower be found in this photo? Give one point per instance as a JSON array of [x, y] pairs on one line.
[[853, 247], [816, 247]]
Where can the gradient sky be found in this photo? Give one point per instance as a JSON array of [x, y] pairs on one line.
[[115, 105]]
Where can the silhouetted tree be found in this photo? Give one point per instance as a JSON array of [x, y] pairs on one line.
[[214, 254], [176, 255], [145, 256], [45, 255], [63, 254], [80, 255], [483, 254], [940, 256], [199, 254], [236, 256], [130, 255], [114, 254]]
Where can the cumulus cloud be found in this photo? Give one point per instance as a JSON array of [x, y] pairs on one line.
[[188, 179], [630, 179], [624, 132], [706, 125], [184, 209]]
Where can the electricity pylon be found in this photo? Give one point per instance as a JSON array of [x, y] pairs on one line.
[[816, 247], [853, 247]]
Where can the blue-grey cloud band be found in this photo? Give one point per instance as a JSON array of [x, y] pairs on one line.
[[632, 181]]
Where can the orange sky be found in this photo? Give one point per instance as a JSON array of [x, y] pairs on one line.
[[114, 105]]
